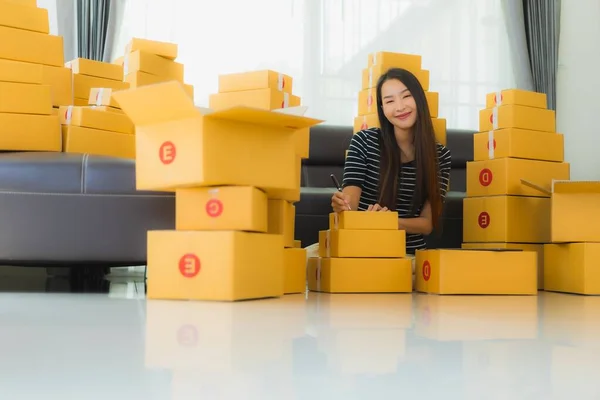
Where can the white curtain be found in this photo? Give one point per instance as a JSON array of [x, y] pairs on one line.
[[323, 45]]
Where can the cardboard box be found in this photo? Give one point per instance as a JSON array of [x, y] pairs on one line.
[[519, 143], [25, 98], [371, 75], [503, 176], [359, 275], [20, 72], [290, 195], [266, 99], [236, 208], [513, 116], [294, 270], [362, 243], [572, 268], [217, 265], [363, 220], [60, 80], [14, 15], [517, 97], [439, 129], [302, 137], [28, 3], [282, 220], [102, 97], [34, 47], [96, 119], [83, 84], [95, 68], [77, 139], [80, 102], [511, 219], [485, 272], [25, 132], [138, 78], [254, 80], [297, 244], [179, 145], [152, 64], [105, 109], [401, 60], [464, 318], [538, 248], [163, 49], [575, 213], [366, 121]]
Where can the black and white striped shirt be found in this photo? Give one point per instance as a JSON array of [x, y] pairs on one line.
[[362, 169]]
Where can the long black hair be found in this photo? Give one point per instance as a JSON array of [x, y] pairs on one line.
[[426, 157]]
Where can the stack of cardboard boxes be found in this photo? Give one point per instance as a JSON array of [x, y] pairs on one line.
[[378, 64], [224, 167], [361, 252], [517, 141], [32, 78], [89, 74], [147, 62]]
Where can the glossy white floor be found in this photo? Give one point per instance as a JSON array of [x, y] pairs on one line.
[[116, 345]]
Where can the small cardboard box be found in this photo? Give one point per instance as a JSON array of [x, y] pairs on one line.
[[25, 98], [362, 243], [294, 270], [60, 80], [139, 78], [26, 132], [359, 275], [363, 220], [282, 220], [371, 75], [511, 219], [517, 97], [503, 176], [575, 210], [152, 64], [514, 116], [95, 68], [265, 99], [102, 97], [366, 121], [519, 143], [485, 272], [401, 60], [179, 145], [163, 49], [439, 129], [83, 84], [34, 47], [77, 139], [96, 119], [214, 265], [236, 208], [572, 268], [20, 72], [20, 16], [254, 80], [290, 195], [297, 244]]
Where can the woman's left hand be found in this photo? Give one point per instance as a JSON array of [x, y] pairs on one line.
[[377, 207]]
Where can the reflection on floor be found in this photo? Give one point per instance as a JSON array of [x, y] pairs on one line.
[[116, 345]]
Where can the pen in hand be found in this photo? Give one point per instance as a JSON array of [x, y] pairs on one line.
[[339, 188]]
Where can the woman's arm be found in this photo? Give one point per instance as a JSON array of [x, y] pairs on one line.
[[419, 225], [355, 168]]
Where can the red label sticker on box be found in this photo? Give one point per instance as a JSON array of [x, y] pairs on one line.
[[426, 270], [189, 265], [214, 208], [485, 177], [167, 152], [484, 220]]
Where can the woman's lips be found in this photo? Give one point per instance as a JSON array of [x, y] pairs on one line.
[[403, 116]]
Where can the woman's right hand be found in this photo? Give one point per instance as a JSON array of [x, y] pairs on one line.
[[340, 202]]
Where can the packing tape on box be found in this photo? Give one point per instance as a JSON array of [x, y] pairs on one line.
[[327, 243], [99, 96], [374, 58], [498, 99], [68, 115], [318, 274], [495, 118], [491, 145], [336, 221], [126, 59], [370, 77], [280, 82], [286, 100]]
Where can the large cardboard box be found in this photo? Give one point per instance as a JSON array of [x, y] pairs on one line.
[[179, 145], [236, 208], [96, 119], [517, 97], [359, 275], [362, 243], [25, 98], [214, 265], [510, 219], [503, 176], [34, 47], [518, 143], [77, 139], [575, 210], [514, 116], [360, 220], [21, 16], [254, 80], [486, 272], [26, 132], [572, 268], [95, 68], [153, 64]]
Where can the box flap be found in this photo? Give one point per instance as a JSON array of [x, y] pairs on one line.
[[576, 187], [536, 187], [264, 117], [156, 103]]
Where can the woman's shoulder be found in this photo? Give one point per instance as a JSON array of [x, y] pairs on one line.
[[368, 134], [444, 153]]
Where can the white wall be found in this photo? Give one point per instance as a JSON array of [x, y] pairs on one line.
[[578, 87]]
